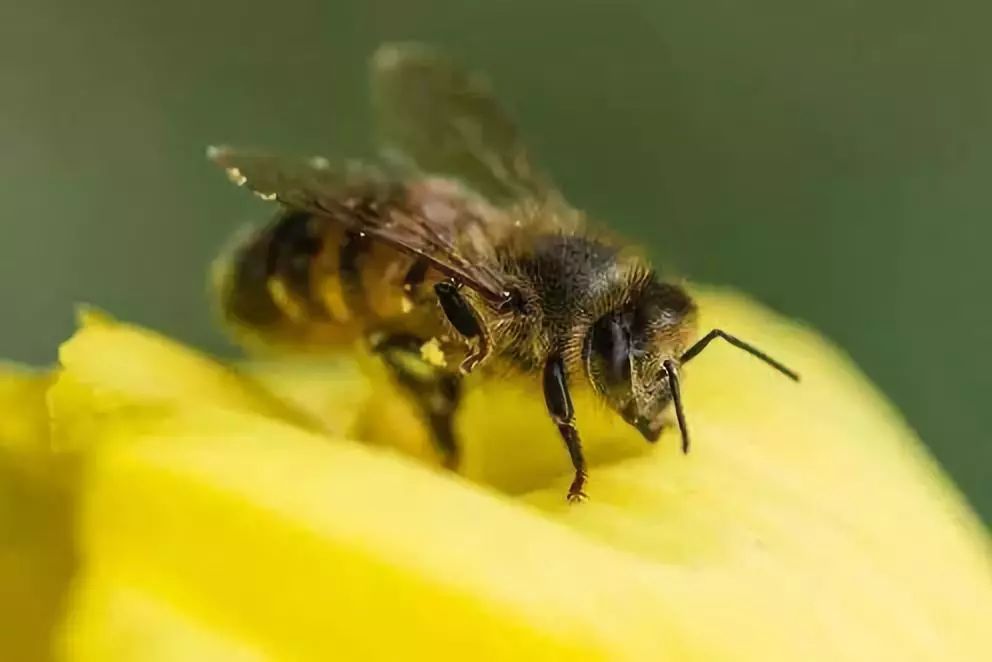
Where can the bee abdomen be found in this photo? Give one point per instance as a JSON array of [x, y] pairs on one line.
[[352, 252], [241, 278], [305, 280]]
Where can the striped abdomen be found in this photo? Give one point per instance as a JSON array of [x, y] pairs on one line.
[[305, 281]]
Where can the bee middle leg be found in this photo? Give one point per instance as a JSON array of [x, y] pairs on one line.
[[465, 320], [435, 392]]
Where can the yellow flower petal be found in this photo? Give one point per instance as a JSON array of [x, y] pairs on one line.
[[108, 365], [36, 557], [404, 550], [808, 523], [331, 391], [130, 626], [24, 418]]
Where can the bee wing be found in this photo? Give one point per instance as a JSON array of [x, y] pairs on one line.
[[435, 219], [435, 116]]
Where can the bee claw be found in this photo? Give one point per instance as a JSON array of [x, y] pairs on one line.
[[577, 497], [469, 364]]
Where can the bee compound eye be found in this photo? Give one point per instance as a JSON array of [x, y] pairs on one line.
[[609, 345]]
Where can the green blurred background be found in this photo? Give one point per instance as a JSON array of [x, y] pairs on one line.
[[831, 158]]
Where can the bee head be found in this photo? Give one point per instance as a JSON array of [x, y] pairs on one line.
[[626, 351]]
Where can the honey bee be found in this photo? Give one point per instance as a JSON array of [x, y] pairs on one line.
[[459, 255]]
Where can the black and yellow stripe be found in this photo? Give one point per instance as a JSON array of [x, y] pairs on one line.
[[305, 280]]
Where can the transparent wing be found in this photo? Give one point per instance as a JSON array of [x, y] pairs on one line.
[[435, 219], [441, 119]]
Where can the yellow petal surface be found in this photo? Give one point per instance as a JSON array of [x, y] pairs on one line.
[[108, 366], [24, 419], [36, 558], [808, 523]]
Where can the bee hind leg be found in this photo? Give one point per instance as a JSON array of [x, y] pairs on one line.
[[435, 392]]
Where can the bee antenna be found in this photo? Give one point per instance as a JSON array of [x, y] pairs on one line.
[[673, 387], [701, 344]]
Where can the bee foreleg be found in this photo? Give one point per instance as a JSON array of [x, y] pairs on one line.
[[435, 392], [560, 407], [465, 320]]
